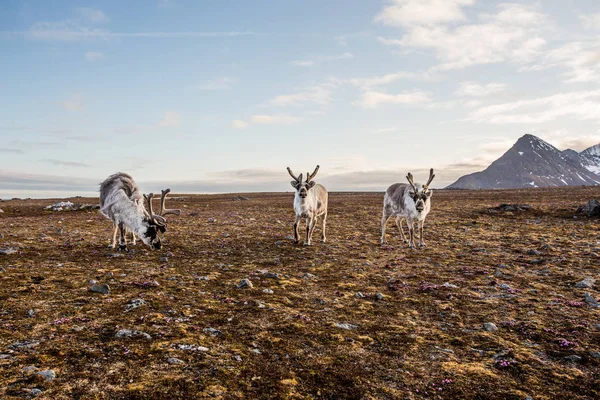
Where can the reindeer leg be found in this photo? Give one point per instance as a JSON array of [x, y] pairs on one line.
[[313, 226], [309, 221], [122, 242], [399, 225], [411, 233], [113, 243], [133, 238], [421, 241], [323, 237], [296, 222], [384, 221]]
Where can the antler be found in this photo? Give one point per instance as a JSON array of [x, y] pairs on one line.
[[409, 177], [156, 218], [294, 176], [310, 176], [431, 176], [163, 209]]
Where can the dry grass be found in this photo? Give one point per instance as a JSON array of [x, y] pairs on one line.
[[423, 340]]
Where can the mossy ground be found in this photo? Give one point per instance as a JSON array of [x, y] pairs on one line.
[[423, 340]]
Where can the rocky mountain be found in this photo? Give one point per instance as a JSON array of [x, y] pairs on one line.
[[532, 162]]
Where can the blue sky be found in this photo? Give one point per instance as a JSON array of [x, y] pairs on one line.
[[220, 96]]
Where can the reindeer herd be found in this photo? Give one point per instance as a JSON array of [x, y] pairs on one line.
[[131, 212]]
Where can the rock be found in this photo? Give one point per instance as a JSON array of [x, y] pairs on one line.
[[212, 220], [212, 331], [35, 392], [132, 334], [268, 291], [5, 356], [104, 288], [450, 285], [8, 250], [504, 286], [586, 283], [271, 275], [534, 252], [164, 259], [380, 296], [591, 208], [24, 344], [595, 354], [135, 303], [346, 326], [237, 358], [173, 360], [591, 300], [29, 369], [309, 276], [255, 351], [245, 283], [31, 313], [490, 327], [191, 347], [359, 295], [572, 358], [49, 374]]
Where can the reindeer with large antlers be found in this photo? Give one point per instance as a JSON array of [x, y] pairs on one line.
[[310, 202], [122, 202], [411, 202]]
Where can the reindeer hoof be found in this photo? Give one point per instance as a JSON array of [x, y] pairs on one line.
[[122, 247], [323, 240], [296, 241], [422, 245], [306, 243]]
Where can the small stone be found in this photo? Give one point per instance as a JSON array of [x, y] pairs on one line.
[[35, 392], [380, 296], [534, 252], [490, 327], [191, 347], [169, 254], [104, 288], [237, 358], [173, 360], [450, 285], [591, 300], [498, 274], [24, 344], [135, 303], [212, 220], [271, 275], [29, 369], [504, 286], [128, 333], [346, 326], [31, 313], [572, 358], [595, 354], [586, 283], [212, 331], [255, 351], [164, 259], [309, 276], [245, 283], [268, 291], [8, 250], [49, 374], [359, 295]]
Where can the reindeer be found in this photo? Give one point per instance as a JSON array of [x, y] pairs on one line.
[[409, 202], [310, 202], [122, 202]]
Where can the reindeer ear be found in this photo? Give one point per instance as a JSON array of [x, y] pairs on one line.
[[311, 184], [294, 184], [412, 193], [429, 193]]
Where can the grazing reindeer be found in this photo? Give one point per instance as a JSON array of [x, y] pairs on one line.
[[122, 202], [310, 202], [407, 201]]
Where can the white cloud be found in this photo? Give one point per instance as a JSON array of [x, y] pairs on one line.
[[92, 15], [512, 34], [320, 94], [221, 83], [171, 119], [591, 21], [93, 56], [422, 12], [372, 99], [322, 59], [474, 89], [367, 83], [238, 124], [580, 59], [75, 103], [581, 105], [279, 119]]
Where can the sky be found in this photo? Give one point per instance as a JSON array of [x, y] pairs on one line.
[[222, 96]]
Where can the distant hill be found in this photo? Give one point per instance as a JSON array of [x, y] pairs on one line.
[[532, 162]]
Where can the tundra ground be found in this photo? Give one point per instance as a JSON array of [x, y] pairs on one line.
[[348, 319]]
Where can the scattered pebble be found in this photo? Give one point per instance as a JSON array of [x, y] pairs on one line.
[[591, 300], [245, 283], [49, 374], [8, 250], [268, 291], [359, 295], [35, 392], [586, 283], [595, 354], [450, 285], [380, 296], [309, 276], [573, 358], [212, 331], [191, 347], [164, 259], [490, 327], [131, 334], [173, 360], [24, 344], [104, 288], [31, 313], [29, 369], [346, 325], [135, 303], [212, 220]]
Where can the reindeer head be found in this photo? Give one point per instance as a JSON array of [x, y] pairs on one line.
[[157, 224], [420, 195], [303, 187]]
